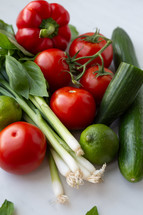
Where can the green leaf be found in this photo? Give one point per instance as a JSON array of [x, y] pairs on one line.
[[93, 211], [6, 27], [8, 34], [25, 79], [5, 42], [17, 76], [74, 32], [7, 208], [36, 79], [3, 52]]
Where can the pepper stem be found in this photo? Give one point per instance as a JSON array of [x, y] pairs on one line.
[[48, 28], [47, 31]]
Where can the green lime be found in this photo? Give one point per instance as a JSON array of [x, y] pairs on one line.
[[10, 111], [99, 143]]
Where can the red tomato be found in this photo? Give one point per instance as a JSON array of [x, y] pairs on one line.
[[86, 48], [22, 148], [54, 67], [96, 85], [74, 107]]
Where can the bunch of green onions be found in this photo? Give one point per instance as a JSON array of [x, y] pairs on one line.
[[65, 153]]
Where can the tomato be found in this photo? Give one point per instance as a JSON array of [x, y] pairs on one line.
[[89, 48], [22, 148], [96, 85], [54, 67], [74, 107], [42, 26]]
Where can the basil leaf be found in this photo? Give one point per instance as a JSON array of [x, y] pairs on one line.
[[6, 27], [25, 78], [17, 76], [5, 42], [3, 52], [74, 32], [36, 79], [7, 208], [93, 211]]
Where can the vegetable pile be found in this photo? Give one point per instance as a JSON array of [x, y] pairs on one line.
[[59, 92]]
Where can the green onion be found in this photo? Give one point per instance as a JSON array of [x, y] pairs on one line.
[[64, 170], [56, 182], [77, 167]]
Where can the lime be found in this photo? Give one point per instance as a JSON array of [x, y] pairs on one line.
[[99, 143], [10, 111]]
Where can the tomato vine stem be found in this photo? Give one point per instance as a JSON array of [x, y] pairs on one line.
[[74, 60], [92, 57]]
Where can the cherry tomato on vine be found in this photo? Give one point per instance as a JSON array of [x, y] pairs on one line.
[[22, 148], [54, 67], [96, 85], [89, 45], [75, 107]]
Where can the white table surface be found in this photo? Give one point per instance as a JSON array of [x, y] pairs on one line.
[[32, 194]]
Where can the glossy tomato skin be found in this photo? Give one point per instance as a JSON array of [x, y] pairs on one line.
[[32, 19], [96, 85], [86, 48], [22, 148], [75, 107], [54, 67]]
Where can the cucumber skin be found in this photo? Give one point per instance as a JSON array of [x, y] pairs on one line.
[[120, 93], [123, 49], [130, 157]]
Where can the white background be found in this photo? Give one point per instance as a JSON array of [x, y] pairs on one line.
[[32, 194]]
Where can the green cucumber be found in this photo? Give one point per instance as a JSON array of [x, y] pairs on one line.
[[130, 157], [120, 93], [123, 49]]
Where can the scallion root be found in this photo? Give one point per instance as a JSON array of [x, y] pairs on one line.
[[62, 199], [96, 177]]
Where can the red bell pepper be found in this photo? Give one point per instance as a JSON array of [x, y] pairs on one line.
[[42, 26]]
